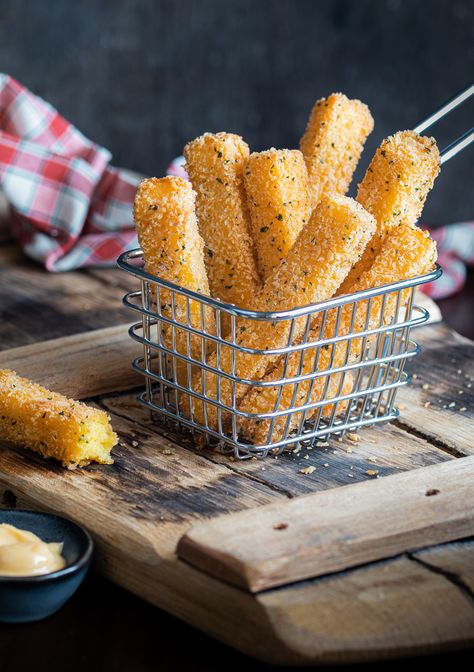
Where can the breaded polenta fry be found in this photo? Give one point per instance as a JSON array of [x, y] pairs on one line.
[[53, 425], [276, 183], [406, 252], [215, 164], [394, 189], [173, 250], [336, 234], [333, 142]]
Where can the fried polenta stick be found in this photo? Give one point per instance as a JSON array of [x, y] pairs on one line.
[[53, 425], [394, 189], [336, 234], [215, 164], [173, 250], [333, 142], [406, 252], [276, 183]]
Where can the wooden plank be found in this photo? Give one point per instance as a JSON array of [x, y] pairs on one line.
[[333, 530], [35, 304], [453, 560], [393, 608], [152, 493], [83, 365], [386, 450], [137, 509], [442, 385]]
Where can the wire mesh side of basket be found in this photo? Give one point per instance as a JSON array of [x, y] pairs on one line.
[[363, 339]]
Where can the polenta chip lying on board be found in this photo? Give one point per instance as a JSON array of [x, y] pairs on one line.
[[53, 425]]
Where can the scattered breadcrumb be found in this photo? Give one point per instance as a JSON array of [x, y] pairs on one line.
[[425, 386], [427, 404], [351, 475], [372, 472], [296, 450], [134, 444], [167, 451], [461, 410], [372, 459], [322, 444], [353, 437], [325, 464], [348, 449], [452, 404], [280, 526], [307, 470]]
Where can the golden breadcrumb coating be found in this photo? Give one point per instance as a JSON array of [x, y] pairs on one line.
[[276, 183], [53, 425], [336, 234], [215, 164], [406, 252], [173, 250], [333, 142], [395, 188]]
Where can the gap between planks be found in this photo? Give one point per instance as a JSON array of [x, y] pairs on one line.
[[329, 531]]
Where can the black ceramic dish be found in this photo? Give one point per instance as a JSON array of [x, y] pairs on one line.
[[31, 598]]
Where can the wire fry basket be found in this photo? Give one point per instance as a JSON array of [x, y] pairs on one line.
[[365, 338]]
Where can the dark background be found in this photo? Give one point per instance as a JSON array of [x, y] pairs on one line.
[[143, 77]]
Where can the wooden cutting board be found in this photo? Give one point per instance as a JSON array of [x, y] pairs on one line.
[[366, 557]]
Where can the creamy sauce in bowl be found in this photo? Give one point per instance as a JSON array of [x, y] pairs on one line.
[[23, 553]]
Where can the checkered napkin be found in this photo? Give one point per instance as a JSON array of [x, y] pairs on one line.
[[455, 252], [71, 209]]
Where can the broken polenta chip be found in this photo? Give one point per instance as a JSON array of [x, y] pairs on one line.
[[53, 425]]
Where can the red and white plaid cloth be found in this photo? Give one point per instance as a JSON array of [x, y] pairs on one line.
[[455, 252], [71, 209]]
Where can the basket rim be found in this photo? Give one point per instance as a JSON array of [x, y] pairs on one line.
[[125, 260]]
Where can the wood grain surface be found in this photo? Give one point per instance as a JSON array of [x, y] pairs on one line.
[[439, 402], [333, 530], [37, 306], [79, 366], [161, 485]]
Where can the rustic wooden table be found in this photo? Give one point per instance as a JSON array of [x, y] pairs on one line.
[[103, 627]]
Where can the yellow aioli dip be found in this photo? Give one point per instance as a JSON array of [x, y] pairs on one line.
[[22, 553]]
